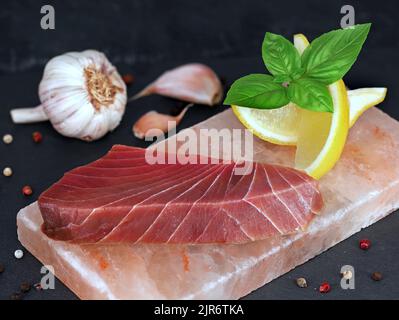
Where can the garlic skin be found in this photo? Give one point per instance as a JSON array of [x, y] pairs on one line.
[[193, 82], [82, 95], [153, 123]]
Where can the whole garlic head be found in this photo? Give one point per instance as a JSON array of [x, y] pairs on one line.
[[81, 93]]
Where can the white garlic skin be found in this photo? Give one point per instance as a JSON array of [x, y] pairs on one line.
[[66, 100]]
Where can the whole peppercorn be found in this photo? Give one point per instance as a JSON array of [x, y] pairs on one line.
[[301, 283], [25, 287], [7, 138], [18, 254], [324, 287], [37, 286], [376, 276], [27, 190], [7, 172], [347, 274], [37, 137], [16, 296], [1, 268], [364, 244], [128, 79]]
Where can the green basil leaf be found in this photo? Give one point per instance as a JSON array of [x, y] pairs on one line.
[[298, 74], [310, 94], [329, 57], [280, 55], [257, 91], [282, 78]]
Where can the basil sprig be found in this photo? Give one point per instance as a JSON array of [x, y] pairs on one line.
[[302, 80]]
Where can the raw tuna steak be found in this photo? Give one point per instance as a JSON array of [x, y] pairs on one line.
[[123, 198]]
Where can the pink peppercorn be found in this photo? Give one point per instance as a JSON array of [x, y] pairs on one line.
[[37, 137], [27, 190], [324, 287], [364, 244]]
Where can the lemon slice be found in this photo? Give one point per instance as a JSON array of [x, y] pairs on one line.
[[362, 99], [278, 126]]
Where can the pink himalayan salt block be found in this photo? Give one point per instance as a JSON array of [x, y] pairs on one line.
[[361, 189]]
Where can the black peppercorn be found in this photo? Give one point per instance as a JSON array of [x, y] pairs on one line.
[[16, 296], [25, 287], [376, 276]]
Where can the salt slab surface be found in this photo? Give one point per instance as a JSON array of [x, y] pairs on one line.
[[361, 189]]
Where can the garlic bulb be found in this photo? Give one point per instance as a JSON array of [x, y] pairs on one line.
[[82, 95], [193, 82]]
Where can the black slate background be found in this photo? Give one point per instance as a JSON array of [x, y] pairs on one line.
[[146, 38]]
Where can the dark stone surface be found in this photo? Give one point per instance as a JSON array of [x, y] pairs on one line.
[[145, 38], [142, 32]]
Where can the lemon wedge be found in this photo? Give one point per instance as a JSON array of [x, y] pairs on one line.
[[322, 135], [300, 42]]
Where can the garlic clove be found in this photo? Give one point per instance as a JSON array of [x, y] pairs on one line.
[[68, 102], [73, 120], [153, 123], [194, 82], [95, 128]]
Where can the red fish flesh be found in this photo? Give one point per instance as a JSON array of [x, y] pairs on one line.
[[123, 198]]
